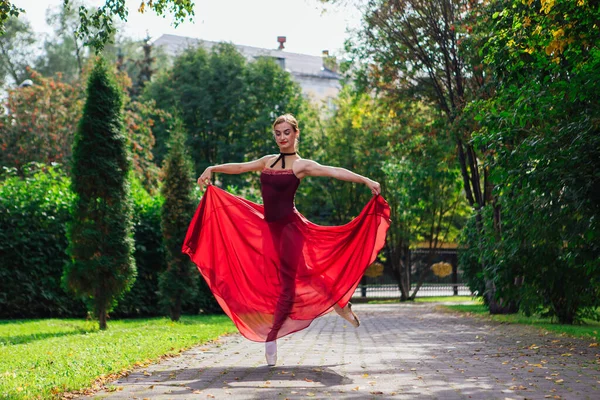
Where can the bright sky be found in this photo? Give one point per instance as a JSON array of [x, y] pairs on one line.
[[307, 25]]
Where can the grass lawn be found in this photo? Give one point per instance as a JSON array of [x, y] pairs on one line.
[[432, 299], [589, 329], [43, 358]]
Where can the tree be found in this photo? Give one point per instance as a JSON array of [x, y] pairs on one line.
[[64, 51], [140, 67], [227, 105], [417, 50], [40, 122], [540, 128], [97, 25], [427, 202], [7, 10], [16, 51], [178, 283], [101, 244], [402, 147]]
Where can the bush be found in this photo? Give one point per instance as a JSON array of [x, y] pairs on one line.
[[35, 207], [102, 266], [142, 299], [34, 212]]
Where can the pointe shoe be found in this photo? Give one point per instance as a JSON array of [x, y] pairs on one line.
[[349, 315], [271, 353]]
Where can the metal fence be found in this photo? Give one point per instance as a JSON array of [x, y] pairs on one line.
[[420, 261], [391, 291]]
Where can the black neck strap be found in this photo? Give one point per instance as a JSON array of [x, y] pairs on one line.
[[282, 158]]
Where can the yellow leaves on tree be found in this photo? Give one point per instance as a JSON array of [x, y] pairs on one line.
[[547, 6], [558, 43], [374, 270], [441, 269]]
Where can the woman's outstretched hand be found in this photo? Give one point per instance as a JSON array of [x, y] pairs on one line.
[[204, 179], [374, 186]]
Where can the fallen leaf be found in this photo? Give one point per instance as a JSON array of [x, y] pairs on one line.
[[593, 344], [559, 381]]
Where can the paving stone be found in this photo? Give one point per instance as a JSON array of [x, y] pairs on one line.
[[399, 352]]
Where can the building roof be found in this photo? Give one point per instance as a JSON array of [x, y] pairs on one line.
[[297, 64]]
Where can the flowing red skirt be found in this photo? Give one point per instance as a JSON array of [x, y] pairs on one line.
[[275, 278]]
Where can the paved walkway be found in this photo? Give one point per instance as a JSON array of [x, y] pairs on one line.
[[399, 352]]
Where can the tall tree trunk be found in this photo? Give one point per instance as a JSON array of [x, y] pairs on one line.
[[176, 310], [405, 273], [102, 317], [401, 269], [11, 67]]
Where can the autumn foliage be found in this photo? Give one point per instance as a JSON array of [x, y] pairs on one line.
[[39, 122]]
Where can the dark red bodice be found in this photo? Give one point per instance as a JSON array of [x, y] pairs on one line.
[[278, 188]]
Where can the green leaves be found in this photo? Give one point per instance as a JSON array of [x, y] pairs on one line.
[[226, 104], [540, 132], [97, 25], [34, 210], [178, 283], [101, 243]]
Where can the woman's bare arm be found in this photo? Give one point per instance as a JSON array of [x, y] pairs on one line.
[[304, 168], [232, 168]]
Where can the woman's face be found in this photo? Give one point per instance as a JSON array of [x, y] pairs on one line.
[[285, 136]]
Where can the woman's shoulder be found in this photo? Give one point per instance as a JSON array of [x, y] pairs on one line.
[[303, 162], [301, 166], [268, 158]]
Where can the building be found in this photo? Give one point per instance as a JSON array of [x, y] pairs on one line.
[[318, 82]]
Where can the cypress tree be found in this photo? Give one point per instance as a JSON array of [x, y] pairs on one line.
[[101, 247], [178, 283]]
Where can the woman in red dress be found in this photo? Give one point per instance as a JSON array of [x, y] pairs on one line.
[[271, 270]]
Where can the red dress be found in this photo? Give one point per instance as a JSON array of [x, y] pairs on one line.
[[273, 271]]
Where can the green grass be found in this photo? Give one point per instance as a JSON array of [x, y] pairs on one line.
[[42, 358], [589, 329], [433, 299], [443, 299]]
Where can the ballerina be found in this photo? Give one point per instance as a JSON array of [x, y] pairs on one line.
[[271, 270]]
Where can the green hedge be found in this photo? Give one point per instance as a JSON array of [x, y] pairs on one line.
[[142, 299], [35, 208], [34, 211]]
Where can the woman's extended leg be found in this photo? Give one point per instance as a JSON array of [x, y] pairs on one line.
[[289, 243], [347, 314]]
